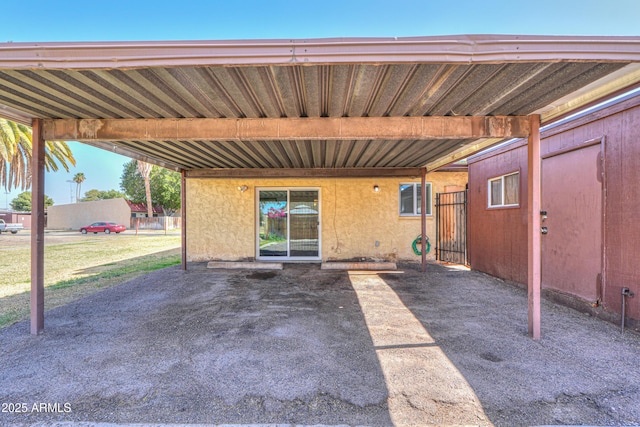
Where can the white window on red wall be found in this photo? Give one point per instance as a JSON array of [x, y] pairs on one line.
[[504, 191]]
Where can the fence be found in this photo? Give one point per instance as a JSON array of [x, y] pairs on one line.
[[451, 227], [156, 223]]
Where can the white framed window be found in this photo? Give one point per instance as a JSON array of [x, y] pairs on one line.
[[410, 198], [504, 191]]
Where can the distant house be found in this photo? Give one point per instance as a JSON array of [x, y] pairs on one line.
[[312, 218], [75, 215], [23, 218], [139, 210]]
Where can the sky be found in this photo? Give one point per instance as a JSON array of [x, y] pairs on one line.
[[132, 20]]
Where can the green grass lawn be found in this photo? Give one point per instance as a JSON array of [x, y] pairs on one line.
[[77, 265]]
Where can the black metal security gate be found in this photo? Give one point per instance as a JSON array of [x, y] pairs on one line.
[[451, 227]]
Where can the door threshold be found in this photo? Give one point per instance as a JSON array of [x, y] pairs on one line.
[[338, 265], [245, 265]]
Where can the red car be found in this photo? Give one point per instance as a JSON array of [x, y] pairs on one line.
[[106, 227]]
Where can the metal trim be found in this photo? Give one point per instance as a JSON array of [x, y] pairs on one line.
[[468, 49]]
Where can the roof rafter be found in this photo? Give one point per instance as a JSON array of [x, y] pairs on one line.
[[304, 173]]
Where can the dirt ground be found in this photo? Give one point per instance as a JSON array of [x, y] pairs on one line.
[[307, 346]]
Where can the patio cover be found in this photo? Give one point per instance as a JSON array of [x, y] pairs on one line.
[[328, 82], [323, 107]]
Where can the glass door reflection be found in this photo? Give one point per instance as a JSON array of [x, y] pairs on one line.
[[303, 227], [288, 227], [274, 229]]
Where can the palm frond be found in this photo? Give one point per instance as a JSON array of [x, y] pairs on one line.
[[7, 140], [3, 173], [16, 149], [60, 151]]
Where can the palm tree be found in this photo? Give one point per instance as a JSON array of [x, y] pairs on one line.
[[145, 170], [15, 155], [78, 179]]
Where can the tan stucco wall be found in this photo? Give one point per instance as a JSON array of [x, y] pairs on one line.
[[221, 220], [75, 215]]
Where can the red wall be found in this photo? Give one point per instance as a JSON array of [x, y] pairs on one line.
[[23, 218], [622, 207], [498, 238]]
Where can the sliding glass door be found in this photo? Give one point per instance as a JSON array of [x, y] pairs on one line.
[[274, 228], [303, 223], [288, 224]]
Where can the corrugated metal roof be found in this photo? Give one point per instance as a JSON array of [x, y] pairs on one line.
[[468, 75], [296, 90], [294, 154]]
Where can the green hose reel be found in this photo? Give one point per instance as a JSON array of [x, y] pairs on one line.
[[418, 242]]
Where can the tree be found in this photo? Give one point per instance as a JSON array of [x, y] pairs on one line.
[[78, 179], [22, 202], [132, 183], [93, 195], [145, 171], [15, 155], [164, 186]]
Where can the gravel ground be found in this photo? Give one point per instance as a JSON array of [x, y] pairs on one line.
[[306, 346]]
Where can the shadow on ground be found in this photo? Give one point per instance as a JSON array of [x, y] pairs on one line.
[[582, 371], [202, 347]]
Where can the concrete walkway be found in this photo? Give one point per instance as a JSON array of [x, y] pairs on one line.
[[304, 346]]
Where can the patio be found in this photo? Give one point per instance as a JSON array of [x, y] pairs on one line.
[[308, 346], [326, 108]]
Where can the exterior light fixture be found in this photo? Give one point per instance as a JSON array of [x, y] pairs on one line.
[[242, 188], [376, 189]]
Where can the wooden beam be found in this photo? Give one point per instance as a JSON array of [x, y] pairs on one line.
[[304, 173], [308, 128], [37, 229], [534, 171]]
